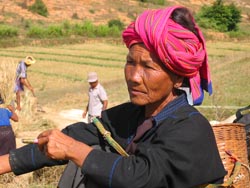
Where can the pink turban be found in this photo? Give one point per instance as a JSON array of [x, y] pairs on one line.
[[178, 48]]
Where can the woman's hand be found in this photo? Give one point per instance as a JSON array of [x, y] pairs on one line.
[[59, 146]]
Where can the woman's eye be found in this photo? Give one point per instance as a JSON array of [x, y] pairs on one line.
[[149, 66]]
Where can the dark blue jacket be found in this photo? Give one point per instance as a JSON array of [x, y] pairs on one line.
[[178, 152]]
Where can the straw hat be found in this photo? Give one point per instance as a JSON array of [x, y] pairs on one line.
[[29, 60], [92, 77]]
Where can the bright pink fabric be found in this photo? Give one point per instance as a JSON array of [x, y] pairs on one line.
[[178, 48]]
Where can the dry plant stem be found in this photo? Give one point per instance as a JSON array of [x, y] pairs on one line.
[[110, 140], [29, 141]]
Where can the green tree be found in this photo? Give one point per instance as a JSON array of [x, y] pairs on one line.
[[39, 7], [219, 16], [117, 23]]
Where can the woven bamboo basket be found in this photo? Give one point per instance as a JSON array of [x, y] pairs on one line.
[[232, 137]]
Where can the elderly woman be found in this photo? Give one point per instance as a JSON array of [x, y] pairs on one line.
[[170, 144]]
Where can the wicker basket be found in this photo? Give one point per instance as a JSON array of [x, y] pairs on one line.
[[232, 137]]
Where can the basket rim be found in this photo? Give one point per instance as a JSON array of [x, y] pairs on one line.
[[228, 124]]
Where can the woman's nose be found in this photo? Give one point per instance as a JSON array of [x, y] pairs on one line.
[[136, 74]]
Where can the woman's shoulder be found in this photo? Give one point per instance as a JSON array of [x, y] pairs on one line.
[[126, 112], [188, 111], [124, 107], [5, 112], [189, 116]]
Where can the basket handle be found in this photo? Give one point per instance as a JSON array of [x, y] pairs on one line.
[[235, 172]]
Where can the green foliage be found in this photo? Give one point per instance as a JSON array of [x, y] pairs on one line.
[[156, 2], [36, 32], [102, 31], [7, 31], [219, 16], [239, 34], [54, 31], [84, 29], [92, 11], [115, 31], [51, 31], [39, 7], [116, 23]]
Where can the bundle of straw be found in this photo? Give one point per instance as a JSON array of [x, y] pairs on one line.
[[7, 80]]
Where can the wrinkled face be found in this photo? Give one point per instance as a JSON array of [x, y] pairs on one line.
[[148, 81]]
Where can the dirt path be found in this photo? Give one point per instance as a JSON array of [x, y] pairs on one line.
[[61, 119], [64, 117]]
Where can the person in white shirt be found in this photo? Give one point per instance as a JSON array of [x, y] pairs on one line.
[[98, 100]]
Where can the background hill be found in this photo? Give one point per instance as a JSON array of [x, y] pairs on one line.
[[95, 10], [98, 11]]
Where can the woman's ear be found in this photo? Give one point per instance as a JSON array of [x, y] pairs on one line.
[[178, 81]]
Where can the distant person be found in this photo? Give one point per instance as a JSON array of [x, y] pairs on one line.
[[22, 80], [98, 100], [7, 136]]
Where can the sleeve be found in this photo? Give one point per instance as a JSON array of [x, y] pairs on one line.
[[29, 158], [9, 113], [23, 70], [102, 94], [181, 155], [86, 133]]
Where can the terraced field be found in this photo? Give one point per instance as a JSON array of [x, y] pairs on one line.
[[59, 76], [59, 79]]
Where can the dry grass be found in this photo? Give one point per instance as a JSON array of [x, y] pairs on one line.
[[59, 76], [229, 64], [7, 79], [47, 177]]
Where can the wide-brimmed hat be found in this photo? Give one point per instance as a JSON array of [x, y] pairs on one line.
[[29, 60], [92, 77]]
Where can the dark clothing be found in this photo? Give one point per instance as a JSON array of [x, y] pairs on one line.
[[7, 136], [7, 139], [179, 151]]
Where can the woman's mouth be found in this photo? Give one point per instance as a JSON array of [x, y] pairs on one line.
[[135, 92]]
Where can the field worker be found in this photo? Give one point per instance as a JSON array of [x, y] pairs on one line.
[[7, 136], [22, 80], [98, 100], [169, 143]]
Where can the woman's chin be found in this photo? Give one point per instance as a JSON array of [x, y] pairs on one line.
[[138, 101]]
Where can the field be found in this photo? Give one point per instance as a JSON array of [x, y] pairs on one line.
[[59, 78]]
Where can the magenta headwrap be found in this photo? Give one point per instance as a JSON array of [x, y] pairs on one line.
[[178, 48]]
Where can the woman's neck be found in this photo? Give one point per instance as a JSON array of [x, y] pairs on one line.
[[154, 108]]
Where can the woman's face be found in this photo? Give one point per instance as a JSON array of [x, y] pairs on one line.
[[149, 82]]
